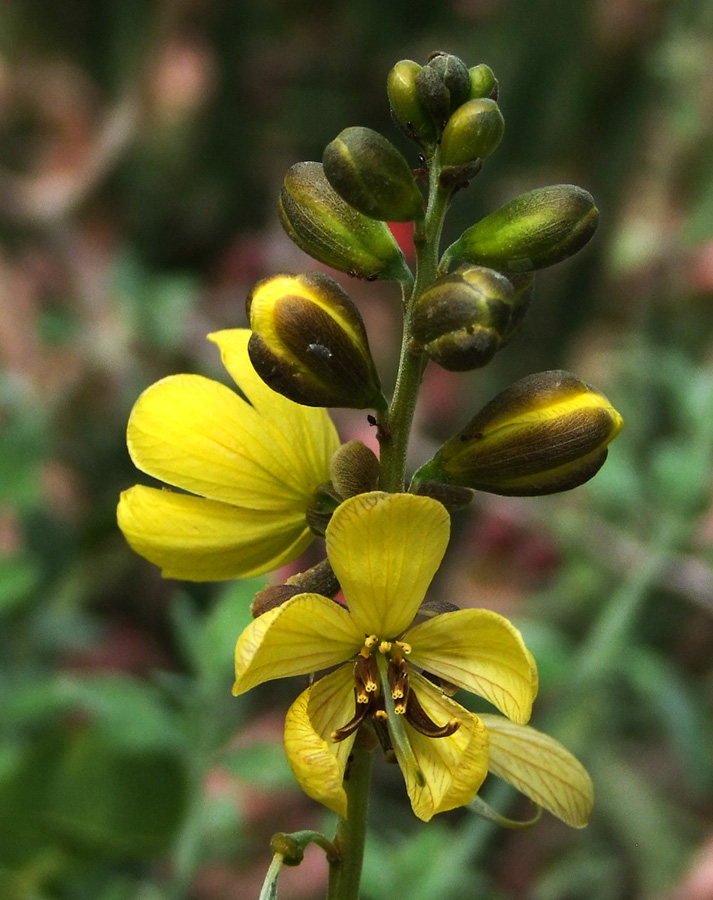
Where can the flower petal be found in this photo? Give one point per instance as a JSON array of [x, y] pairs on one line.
[[305, 634], [310, 435], [316, 761], [203, 540], [481, 651], [541, 768], [453, 767], [199, 435], [385, 549]]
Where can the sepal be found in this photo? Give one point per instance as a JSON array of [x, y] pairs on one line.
[[544, 434], [309, 342], [483, 82], [326, 227]]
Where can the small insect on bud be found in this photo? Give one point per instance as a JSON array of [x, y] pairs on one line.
[[407, 110], [461, 319], [324, 225], [483, 82], [535, 230], [473, 131], [309, 342], [546, 433], [367, 171]]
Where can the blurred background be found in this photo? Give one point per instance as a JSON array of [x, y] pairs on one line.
[[142, 147]]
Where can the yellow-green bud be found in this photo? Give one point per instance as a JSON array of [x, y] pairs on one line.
[[461, 319], [545, 433], [473, 131], [324, 225], [535, 230], [483, 82], [367, 171], [407, 110], [309, 342]]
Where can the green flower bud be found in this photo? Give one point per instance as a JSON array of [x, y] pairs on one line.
[[461, 319], [535, 230], [324, 225], [454, 74], [483, 82], [473, 131], [367, 171], [407, 109], [545, 433], [434, 96], [309, 342]]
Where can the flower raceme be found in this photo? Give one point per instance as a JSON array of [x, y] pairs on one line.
[[392, 675], [251, 466]]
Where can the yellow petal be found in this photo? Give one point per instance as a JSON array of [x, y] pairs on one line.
[[203, 540], [199, 435], [305, 634], [541, 768], [481, 651], [316, 761], [311, 437], [385, 549], [453, 767]]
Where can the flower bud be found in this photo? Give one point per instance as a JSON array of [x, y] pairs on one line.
[[473, 131], [545, 433], [367, 171], [324, 225], [455, 76], [309, 342], [354, 469], [461, 319], [483, 82], [523, 284], [407, 110], [535, 230]]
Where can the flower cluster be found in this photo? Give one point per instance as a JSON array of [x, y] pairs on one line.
[[261, 473]]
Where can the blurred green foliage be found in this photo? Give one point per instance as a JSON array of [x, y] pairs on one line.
[[142, 145]]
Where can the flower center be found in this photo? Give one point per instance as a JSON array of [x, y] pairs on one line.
[[369, 694]]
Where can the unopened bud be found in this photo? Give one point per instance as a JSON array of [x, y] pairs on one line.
[[407, 110], [535, 230], [272, 596], [451, 496], [455, 76], [367, 171], [309, 342], [319, 579], [354, 469], [324, 225], [461, 319], [546, 433], [473, 131], [523, 284], [483, 82]]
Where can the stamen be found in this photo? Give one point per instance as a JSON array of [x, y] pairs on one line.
[[384, 647], [360, 713], [404, 647], [423, 723], [398, 682], [370, 641]]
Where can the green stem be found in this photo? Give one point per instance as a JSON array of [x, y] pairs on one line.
[[395, 426], [345, 871]]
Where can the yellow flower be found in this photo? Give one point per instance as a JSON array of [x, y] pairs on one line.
[[385, 549], [254, 465]]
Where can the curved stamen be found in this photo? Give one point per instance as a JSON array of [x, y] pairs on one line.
[[423, 723]]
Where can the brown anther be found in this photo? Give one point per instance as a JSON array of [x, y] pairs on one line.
[[423, 723]]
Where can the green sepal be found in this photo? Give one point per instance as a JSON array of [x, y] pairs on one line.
[[483, 82], [486, 811]]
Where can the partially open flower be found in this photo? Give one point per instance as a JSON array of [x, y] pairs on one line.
[[546, 433], [251, 468], [309, 342]]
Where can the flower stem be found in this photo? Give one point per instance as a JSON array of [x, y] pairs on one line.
[[345, 870], [395, 426]]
